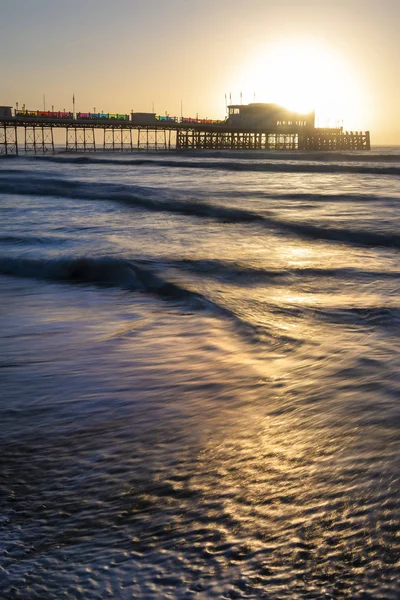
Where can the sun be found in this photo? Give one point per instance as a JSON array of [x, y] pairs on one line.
[[304, 75]]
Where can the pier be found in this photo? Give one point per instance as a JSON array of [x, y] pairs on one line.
[[249, 127]]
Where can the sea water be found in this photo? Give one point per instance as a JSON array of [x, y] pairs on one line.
[[200, 376]]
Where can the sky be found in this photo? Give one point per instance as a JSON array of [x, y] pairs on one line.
[[340, 57]]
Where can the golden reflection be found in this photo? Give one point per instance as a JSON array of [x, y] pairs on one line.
[[297, 256]]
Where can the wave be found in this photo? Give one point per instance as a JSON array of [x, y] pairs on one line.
[[18, 172], [41, 184], [376, 155], [138, 275], [300, 155], [311, 197], [29, 239], [304, 196], [359, 237], [151, 199], [376, 316], [237, 273], [123, 274], [109, 272], [133, 195], [365, 317], [312, 163]]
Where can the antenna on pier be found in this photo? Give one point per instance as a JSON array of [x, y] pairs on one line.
[[241, 98], [73, 105], [181, 110], [44, 103]]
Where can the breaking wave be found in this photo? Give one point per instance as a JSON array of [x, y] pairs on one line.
[[139, 274], [310, 163], [99, 271], [128, 275], [135, 196], [152, 200]]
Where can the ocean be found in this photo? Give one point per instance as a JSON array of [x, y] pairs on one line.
[[200, 376]]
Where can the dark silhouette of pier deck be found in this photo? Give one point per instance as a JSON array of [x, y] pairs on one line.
[[33, 133]]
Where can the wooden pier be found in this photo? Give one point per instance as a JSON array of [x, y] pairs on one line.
[[32, 134]]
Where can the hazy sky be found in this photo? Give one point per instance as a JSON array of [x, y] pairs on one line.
[[343, 57]]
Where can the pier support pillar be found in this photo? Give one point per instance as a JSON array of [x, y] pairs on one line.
[[117, 139], [80, 139], [235, 140], [154, 139], [8, 139], [39, 139], [335, 140]]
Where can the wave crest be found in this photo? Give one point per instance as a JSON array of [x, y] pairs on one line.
[[152, 200], [299, 163]]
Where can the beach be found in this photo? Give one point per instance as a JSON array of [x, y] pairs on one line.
[[199, 374]]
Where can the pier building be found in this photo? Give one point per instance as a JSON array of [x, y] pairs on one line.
[[269, 117]]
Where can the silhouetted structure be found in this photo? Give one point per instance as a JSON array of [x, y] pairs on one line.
[[248, 127]]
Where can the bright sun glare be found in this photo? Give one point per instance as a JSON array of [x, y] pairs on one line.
[[303, 76]]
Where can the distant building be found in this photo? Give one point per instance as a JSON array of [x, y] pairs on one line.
[[5, 112], [271, 117], [143, 118]]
